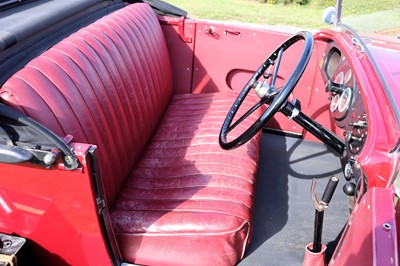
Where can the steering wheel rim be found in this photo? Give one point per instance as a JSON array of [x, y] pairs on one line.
[[278, 100]]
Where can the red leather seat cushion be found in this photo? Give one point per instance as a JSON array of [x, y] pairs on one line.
[[189, 202]]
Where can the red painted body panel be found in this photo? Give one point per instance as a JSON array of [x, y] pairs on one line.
[[180, 52], [387, 57], [55, 208], [367, 239]]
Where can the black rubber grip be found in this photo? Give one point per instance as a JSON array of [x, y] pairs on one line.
[[330, 189]]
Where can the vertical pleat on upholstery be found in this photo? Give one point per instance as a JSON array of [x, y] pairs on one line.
[[107, 84]]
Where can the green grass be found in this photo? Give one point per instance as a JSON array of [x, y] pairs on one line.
[[252, 11], [356, 7]]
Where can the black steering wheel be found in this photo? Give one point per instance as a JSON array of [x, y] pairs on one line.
[[268, 93]]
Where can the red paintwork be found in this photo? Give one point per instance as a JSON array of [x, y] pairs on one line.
[[56, 209], [387, 56], [365, 241], [181, 53]]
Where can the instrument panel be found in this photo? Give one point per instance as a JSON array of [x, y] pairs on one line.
[[347, 108]]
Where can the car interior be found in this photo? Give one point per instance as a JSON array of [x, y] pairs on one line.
[[153, 138]]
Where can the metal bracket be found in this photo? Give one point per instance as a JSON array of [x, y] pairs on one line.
[[295, 113], [211, 32], [101, 205], [320, 206], [181, 28], [357, 44], [296, 110]]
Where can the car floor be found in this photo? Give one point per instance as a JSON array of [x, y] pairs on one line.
[[284, 212]]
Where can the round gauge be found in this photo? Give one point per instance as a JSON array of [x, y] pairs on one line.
[[332, 62], [345, 100], [335, 103], [339, 78], [348, 76]]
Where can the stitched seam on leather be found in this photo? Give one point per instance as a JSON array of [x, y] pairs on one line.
[[43, 102], [88, 106], [198, 164], [152, 49], [32, 66], [239, 228], [114, 107], [85, 101]]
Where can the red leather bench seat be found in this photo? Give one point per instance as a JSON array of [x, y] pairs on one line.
[[192, 198], [175, 197]]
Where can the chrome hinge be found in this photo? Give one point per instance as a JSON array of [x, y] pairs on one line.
[[357, 44]]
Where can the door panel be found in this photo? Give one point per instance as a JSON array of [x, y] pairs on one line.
[[179, 36], [370, 235], [226, 56]]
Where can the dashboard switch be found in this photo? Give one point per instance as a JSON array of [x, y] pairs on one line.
[[348, 171], [360, 123]]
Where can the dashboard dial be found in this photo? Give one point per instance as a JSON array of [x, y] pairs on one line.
[[348, 76], [345, 100], [339, 79], [335, 103]]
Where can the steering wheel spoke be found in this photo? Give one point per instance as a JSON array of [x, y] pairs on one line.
[[276, 68], [275, 97], [245, 115]]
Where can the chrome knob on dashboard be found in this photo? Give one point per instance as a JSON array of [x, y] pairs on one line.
[[348, 135], [360, 123]]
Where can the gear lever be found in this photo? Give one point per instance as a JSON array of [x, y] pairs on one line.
[[315, 251]]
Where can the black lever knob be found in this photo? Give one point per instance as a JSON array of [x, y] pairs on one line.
[[349, 189], [330, 189]]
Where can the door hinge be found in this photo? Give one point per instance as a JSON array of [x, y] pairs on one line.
[[180, 22], [101, 205]]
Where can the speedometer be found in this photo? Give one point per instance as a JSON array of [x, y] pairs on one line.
[[345, 100]]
